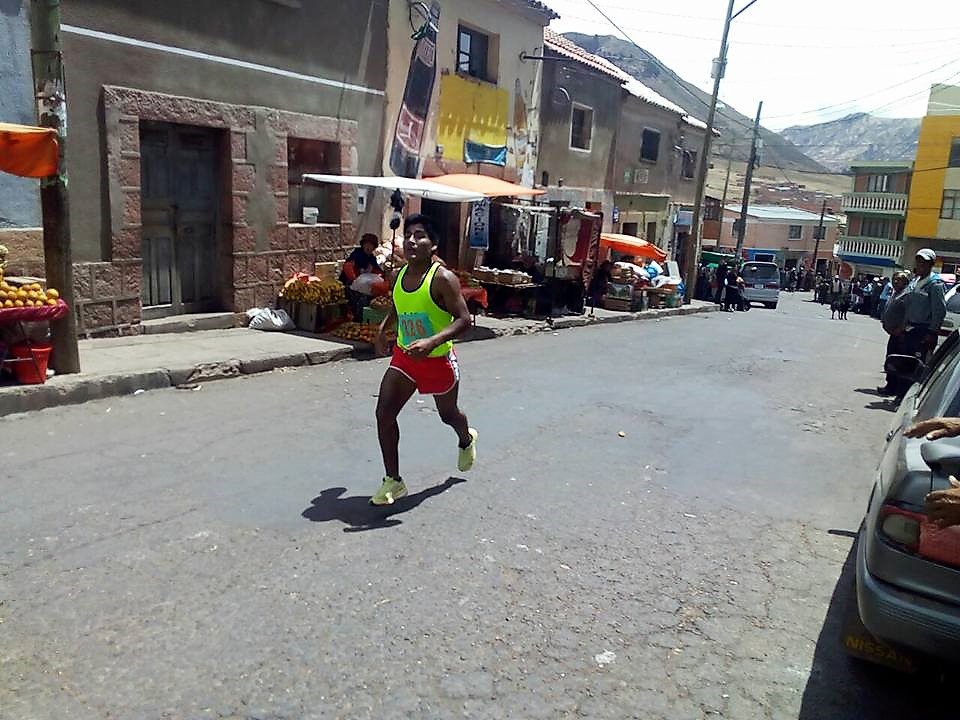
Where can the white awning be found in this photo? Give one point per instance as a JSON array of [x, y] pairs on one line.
[[409, 186]]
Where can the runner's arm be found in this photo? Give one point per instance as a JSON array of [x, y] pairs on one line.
[[388, 323], [448, 287]]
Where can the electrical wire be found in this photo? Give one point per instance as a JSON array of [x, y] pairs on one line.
[[704, 38], [877, 92], [719, 19], [680, 81]]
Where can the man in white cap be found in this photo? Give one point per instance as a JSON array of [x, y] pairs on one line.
[[926, 307]]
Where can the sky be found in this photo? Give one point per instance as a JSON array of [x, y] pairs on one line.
[[809, 61]]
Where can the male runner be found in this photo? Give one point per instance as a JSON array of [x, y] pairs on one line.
[[429, 312]]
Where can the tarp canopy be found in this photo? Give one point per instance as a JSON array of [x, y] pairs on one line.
[[486, 185], [28, 151], [716, 258], [427, 189], [630, 245]]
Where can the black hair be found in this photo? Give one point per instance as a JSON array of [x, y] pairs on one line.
[[426, 222]]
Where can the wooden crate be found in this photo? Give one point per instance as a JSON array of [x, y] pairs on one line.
[[317, 318], [618, 304]]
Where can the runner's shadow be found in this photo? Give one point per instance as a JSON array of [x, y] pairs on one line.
[[359, 515]]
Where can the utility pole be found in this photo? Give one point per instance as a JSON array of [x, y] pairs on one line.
[[742, 229], [816, 247], [726, 182], [51, 97], [691, 251]]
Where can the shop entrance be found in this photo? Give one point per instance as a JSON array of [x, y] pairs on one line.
[[446, 218], [179, 167]]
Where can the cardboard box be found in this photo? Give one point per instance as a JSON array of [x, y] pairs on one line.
[[326, 270]]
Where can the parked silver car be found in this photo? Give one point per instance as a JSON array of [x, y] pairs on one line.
[[908, 570], [761, 283]]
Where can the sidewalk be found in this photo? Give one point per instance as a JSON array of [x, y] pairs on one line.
[[123, 366]]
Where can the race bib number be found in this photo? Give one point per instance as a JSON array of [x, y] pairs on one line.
[[415, 326]]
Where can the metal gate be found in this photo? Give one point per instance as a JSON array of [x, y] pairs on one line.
[[179, 170]]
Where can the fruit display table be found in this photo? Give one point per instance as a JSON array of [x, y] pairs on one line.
[[28, 352]]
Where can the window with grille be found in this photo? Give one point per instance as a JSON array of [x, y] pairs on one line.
[[875, 228], [878, 183], [950, 207], [312, 156], [795, 232]]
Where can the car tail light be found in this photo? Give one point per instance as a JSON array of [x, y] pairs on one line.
[[772, 286], [901, 527]]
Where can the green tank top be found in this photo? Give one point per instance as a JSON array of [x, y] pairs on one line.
[[418, 316]]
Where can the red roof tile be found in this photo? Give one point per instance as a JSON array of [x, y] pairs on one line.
[[559, 44]]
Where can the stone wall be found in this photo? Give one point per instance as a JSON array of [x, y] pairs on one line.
[[26, 251], [258, 247]]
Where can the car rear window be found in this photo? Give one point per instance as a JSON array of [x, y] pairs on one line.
[[761, 272], [941, 392]]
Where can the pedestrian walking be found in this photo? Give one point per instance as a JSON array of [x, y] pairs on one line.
[[429, 312], [926, 307], [885, 294], [894, 323], [839, 298], [721, 283]]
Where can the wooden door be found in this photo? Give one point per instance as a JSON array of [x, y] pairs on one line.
[[179, 169]]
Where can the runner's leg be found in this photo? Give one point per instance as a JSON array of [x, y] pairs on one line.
[[395, 390], [451, 414]]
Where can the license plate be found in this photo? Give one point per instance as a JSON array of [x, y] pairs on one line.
[[758, 287]]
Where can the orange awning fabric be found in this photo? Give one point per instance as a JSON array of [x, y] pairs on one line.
[[630, 245], [28, 151], [489, 186]]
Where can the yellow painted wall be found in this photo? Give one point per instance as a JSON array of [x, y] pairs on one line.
[[470, 110], [929, 174]]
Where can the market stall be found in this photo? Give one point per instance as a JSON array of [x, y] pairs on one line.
[[316, 303], [642, 281], [25, 309], [26, 305]]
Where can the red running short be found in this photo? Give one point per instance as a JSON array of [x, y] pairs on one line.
[[431, 375]]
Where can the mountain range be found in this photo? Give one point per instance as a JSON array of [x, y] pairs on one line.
[[860, 136], [821, 148]]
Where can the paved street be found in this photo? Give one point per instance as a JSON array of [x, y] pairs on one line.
[[210, 553]]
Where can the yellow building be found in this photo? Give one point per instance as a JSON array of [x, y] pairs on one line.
[[933, 209], [463, 96]]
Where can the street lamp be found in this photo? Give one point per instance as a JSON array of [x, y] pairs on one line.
[[692, 249]]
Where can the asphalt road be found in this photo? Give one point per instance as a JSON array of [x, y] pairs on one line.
[[210, 553]]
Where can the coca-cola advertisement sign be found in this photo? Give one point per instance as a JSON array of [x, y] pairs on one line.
[[417, 93]]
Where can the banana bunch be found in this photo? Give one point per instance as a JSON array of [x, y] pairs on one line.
[[314, 291]]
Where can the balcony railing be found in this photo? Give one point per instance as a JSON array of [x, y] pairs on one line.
[[871, 248], [893, 203]]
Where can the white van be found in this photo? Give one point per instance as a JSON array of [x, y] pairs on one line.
[[761, 283]]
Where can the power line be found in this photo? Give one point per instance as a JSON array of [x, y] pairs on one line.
[[682, 84], [703, 38], [680, 81], [877, 92], [793, 27]]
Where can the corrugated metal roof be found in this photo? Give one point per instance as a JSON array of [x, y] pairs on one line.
[[559, 44], [779, 212]]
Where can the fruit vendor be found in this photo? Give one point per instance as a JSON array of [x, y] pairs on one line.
[[428, 311], [361, 261]]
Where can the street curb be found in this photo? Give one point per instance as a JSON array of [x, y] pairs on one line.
[[74, 390]]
